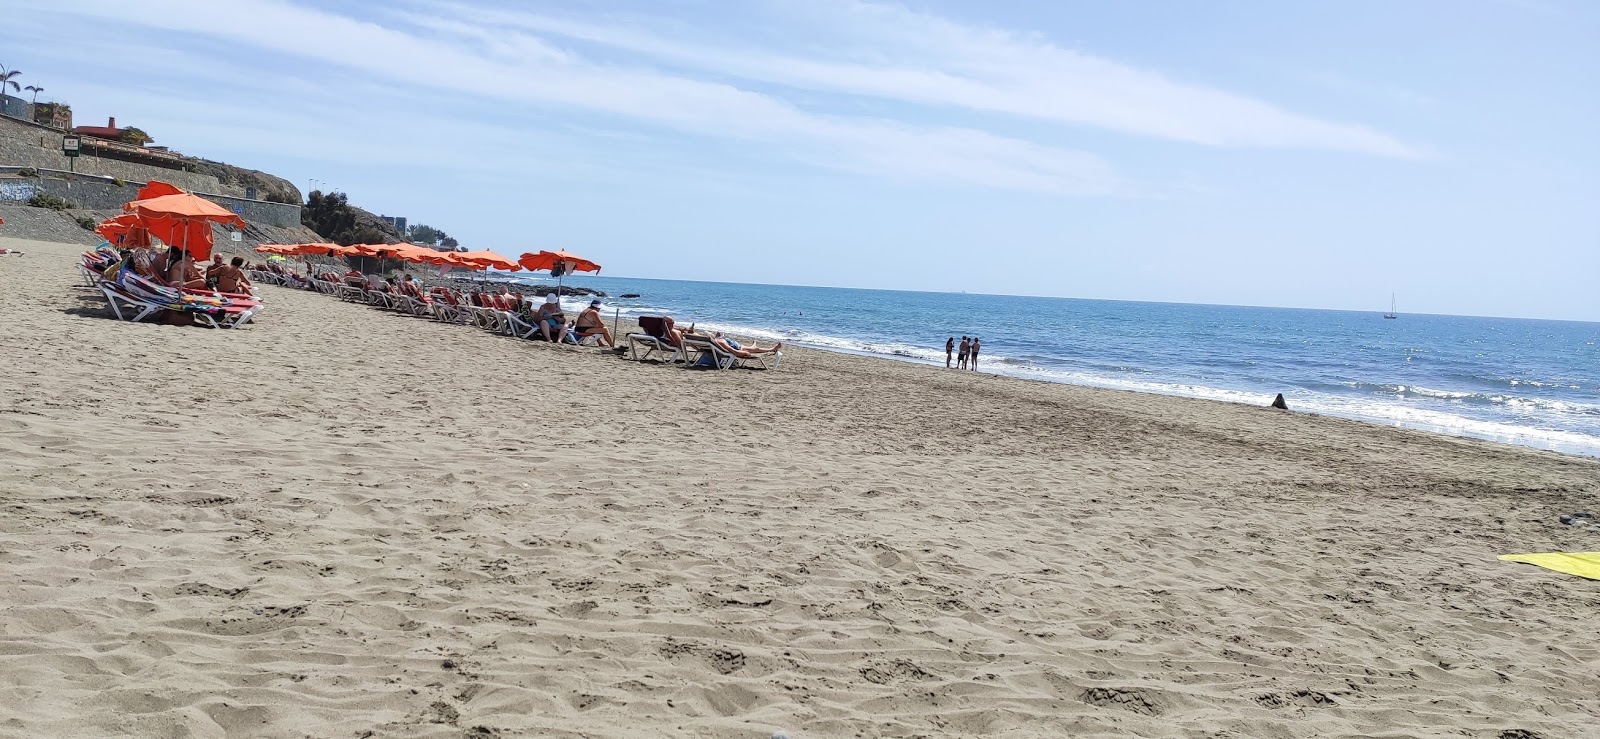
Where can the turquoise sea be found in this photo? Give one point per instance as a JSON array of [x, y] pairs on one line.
[[1529, 382]]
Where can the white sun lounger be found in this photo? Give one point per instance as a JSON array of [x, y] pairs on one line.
[[723, 359], [127, 306], [653, 345]]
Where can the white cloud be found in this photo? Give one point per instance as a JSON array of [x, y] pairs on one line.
[[519, 68], [890, 52]]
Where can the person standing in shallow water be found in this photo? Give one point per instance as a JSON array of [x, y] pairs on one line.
[[972, 355], [949, 351], [961, 354]]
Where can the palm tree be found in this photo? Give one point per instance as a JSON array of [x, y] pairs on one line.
[[35, 90], [7, 79]]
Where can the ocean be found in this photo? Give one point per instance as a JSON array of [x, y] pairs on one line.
[[1520, 381]]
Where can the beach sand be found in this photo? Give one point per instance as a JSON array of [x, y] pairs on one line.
[[340, 522]]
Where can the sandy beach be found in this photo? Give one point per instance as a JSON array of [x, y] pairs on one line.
[[341, 522]]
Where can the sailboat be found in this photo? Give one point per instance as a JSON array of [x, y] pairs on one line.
[[1391, 313]]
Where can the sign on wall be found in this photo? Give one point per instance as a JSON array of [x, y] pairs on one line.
[[70, 145]]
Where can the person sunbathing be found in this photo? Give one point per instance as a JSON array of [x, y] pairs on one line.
[[552, 322], [672, 333], [181, 271], [408, 287], [230, 278], [729, 345], [125, 262], [591, 324], [211, 269], [4, 250], [160, 265]]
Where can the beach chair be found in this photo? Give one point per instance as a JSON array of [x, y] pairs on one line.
[[127, 306], [652, 336], [89, 275], [653, 345], [217, 310], [515, 326], [711, 355]]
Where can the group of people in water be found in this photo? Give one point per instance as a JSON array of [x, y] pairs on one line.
[[965, 355]]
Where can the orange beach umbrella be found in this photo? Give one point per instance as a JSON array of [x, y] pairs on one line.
[[322, 249], [179, 218], [558, 262], [485, 259], [125, 231]]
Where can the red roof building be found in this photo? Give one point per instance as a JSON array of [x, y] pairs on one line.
[[108, 131]]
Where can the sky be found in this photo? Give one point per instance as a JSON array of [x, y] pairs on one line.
[[1320, 154]]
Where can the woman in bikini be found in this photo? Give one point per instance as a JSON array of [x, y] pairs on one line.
[[591, 324]]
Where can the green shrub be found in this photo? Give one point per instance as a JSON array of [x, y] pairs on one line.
[[27, 172], [117, 181], [46, 200], [86, 222]]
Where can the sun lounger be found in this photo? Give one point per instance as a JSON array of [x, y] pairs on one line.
[[652, 335], [125, 305], [653, 345], [133, 295], [707, 352], [515, 326]]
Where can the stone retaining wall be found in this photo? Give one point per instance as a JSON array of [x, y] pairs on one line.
[[103, 195], [25, 144]]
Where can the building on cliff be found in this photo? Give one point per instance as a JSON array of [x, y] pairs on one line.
[[110, 132]]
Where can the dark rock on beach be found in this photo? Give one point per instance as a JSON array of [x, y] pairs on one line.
[[543, 290]]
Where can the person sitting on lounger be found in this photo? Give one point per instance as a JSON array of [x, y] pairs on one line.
[[408, 287], [160, 265], [211, 269], [729, 345], [181, 271], [230, 278], [125, 262], [591, 324], [552, 322]]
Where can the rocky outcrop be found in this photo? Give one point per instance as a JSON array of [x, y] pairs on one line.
[[240, 181]]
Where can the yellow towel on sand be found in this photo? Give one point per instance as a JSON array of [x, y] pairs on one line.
[[1582, 564]]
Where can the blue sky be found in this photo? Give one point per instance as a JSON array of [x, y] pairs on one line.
[[1316, 154]]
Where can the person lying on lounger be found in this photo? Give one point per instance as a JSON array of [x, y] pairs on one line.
[[591, 324], [10, 251], [729, 345], [673, 334]]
